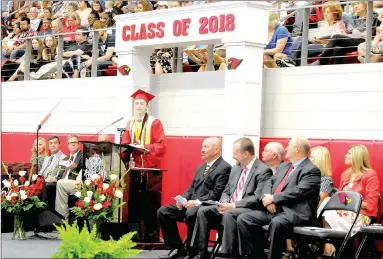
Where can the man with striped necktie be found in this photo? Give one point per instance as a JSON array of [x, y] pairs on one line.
[[243, 193], [290, 198]]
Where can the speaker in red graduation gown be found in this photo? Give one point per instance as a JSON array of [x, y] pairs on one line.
[[145, 131]]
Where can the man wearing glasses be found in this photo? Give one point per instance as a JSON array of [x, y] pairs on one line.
[[69, 177]]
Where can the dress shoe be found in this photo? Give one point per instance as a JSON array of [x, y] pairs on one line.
[[175, 253]]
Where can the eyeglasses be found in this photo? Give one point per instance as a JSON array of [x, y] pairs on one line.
[[74, 142]]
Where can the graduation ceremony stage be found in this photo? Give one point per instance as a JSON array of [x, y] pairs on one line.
[[44, 248]]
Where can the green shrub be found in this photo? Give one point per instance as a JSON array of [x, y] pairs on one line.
[[82, 244]]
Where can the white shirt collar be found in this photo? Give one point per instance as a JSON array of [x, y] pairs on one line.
[[212, 162], [74, 155], [250, 165]]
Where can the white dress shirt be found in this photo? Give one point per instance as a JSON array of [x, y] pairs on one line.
[[240, 194]]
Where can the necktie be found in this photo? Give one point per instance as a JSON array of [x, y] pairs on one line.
[[240, 185], [67, 169], [206, 169], [283, 182]]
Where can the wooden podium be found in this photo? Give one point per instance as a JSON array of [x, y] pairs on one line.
[[142, 193]]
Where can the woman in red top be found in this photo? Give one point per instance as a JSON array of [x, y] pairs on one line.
[[73, 23], [358, 178]]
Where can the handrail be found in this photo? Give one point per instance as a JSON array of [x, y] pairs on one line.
[[59, 34]]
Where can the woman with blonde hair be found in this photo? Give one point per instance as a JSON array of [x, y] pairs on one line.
[[280, 42], [319, 156], [42, 151], [359, 177]]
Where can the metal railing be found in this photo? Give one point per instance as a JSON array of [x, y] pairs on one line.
[[178, 52]]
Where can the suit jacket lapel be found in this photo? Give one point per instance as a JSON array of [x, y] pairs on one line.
[[235, 180], [280, 176], [199, 177], [251, 175], [296, 171], [213, 167]]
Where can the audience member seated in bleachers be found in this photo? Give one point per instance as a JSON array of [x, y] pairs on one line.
[[359, 177], [69, 177], [209, 181], [36, 59], [42, 151], [320, 156], [73, 23], [46, 27], [57, 26], [162, 5], [290, 198], [34, 21], [333, 25], [96, 7], [77, 53], [242, 194], [70, 9], [376, 47], [280, 42], [272, 155], [18, 48], [107, 18], [84, 11], [47, 13], [93, 16], [339, 44], [50, 46], [8, 42], [106, 46]]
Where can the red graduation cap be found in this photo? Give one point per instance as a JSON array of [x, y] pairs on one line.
[[140, 94]]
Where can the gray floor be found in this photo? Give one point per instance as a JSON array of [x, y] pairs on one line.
[[44, 248]]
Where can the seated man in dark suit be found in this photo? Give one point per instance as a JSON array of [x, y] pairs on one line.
[[290, 199], [209, 180], [242, 193], [69, 177]]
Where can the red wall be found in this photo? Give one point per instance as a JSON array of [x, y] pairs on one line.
[[183, 156]]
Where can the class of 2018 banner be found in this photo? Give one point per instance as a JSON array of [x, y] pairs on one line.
[[207, 25]]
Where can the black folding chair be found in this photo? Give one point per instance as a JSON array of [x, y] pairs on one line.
[[343, 200], [371, 233], [217, 243]]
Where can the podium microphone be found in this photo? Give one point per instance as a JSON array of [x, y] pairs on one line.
[[114, 122]]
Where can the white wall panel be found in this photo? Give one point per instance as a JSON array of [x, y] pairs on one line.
[[343, 101]]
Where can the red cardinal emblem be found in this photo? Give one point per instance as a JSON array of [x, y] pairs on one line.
[[344, 199], [234, 63], [124, 70]]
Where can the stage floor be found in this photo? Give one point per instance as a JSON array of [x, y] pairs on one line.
[[44, 248]]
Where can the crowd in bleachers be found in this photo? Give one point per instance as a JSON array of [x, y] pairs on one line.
[[335, 32]]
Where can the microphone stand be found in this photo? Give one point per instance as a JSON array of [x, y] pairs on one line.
[[121, 131], [37, 229]]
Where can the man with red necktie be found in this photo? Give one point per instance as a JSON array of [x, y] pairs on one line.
[[146, 132], [290, 198], [243, 193]]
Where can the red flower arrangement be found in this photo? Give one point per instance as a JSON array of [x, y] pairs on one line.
[[21, 195], [98, 198]]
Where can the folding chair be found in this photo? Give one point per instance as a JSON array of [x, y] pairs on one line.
[[217, 243], [374, 231], [343, 200]]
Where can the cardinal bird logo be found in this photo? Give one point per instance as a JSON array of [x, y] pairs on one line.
[[124, 70], [344, 199], [234, 63]]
